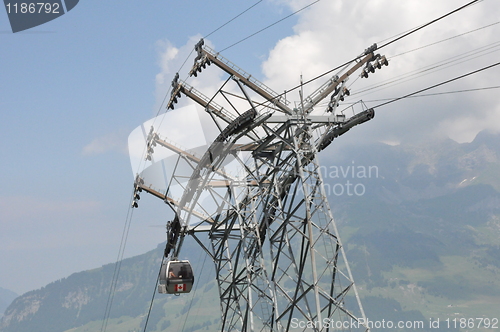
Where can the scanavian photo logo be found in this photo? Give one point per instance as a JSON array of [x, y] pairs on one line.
[[24, 15]]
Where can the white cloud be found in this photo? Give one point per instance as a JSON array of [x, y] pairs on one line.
[[331, 32], [465, 127]]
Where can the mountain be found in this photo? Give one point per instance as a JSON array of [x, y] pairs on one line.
[[6, 297], [80, 300], [81, 297], [421, 228]]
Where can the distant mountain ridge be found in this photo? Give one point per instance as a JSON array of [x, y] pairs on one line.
[[423, 240]]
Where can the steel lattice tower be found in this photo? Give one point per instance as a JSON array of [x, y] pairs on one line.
[[280, 264]]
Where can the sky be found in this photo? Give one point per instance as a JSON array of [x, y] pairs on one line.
[[73, 89]]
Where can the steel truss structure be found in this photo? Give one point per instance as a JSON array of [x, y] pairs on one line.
[[280, 264]]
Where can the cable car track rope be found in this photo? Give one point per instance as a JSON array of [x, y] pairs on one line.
[[446, 39], [116, 272]]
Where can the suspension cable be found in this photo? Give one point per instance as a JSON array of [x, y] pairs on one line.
[[243, 12], [154, 293], [298, 86], [428, 23], [118, 263], [192, 50], [439, 84], [384, 45], [446, 39], [437, 93], [194, 292]]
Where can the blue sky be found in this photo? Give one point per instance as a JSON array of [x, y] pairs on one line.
[[89, 77], [72, 90]]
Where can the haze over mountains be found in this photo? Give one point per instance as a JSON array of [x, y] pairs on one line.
[[421, 224]]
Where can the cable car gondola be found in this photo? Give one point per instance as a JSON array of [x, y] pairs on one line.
[[176, 277]]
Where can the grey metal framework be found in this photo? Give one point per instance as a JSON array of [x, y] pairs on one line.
[[280, 264]]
